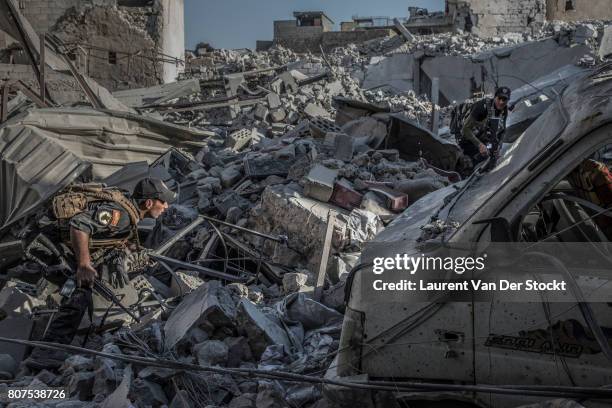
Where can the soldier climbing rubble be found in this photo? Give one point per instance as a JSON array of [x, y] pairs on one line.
[[483, 128], [100, 225]]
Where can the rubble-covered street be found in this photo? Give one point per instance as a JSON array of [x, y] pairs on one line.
[[287, 163]]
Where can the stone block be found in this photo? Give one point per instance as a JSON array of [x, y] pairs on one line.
[[319, 183], [260, 330], [210, 303]]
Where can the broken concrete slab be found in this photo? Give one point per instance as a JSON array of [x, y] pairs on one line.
[[273, 101], [260, 330], [8, 367], [183, 283], [211, 352], [418, 188], [147, 393], [293, 282], [81, 385], [414, 141], [517, 64], [16, 328], [393, 73], [286, 211], [262, 166], [238, 351], [246, 400], [344, 147], [373, 130], [348, 109], [260, 112], [315, 111], [93, 136], [605, 48], [278, 115], [319, 183], [210, 302], [311, 314], [230, 176]]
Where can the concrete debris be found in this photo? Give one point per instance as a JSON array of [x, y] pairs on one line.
[[260, 147], [8, 367], [294, 282], [259, 329], [211, 352], [319, 183], [210, 304]]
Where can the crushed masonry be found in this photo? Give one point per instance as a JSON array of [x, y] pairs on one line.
[[260, 148]]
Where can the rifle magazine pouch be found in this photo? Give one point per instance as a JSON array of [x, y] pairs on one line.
[[66, 206]]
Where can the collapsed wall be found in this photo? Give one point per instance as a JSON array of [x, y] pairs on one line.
[[576, 10], [488, 18], [117, 52], [121, 43], [302, 39]]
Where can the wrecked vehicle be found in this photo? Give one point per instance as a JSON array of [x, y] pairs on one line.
[[525, 199]]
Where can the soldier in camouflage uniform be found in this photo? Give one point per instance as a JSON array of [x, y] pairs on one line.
[[108, 223], [485, 126]]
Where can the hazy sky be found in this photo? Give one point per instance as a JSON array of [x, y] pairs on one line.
[[239, 23]]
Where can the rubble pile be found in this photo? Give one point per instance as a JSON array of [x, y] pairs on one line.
[[287, 166], [296, 150], [214, 325]]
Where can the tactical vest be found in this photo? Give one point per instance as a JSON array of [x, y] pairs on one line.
[[490, 115], [76, 198], [462, 112]]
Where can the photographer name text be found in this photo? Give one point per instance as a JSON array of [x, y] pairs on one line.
[[469, 285]]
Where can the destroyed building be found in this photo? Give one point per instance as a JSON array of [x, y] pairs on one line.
[[121, 44], [577, 10], [489, 18], [292, 172], [313, 31]]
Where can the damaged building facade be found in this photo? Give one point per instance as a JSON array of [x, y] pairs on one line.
[[313, 30], [492, 18], [121, 44]]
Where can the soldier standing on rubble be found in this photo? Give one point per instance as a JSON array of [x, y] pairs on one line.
[[103, 225], [484, 127]]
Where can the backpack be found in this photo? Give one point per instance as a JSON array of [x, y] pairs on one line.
[[76, 198], [459, 115]]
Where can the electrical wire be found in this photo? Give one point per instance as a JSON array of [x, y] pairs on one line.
[[543, 391]]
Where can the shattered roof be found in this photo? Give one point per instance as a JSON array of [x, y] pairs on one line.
[[33, 167], [108, 139]]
